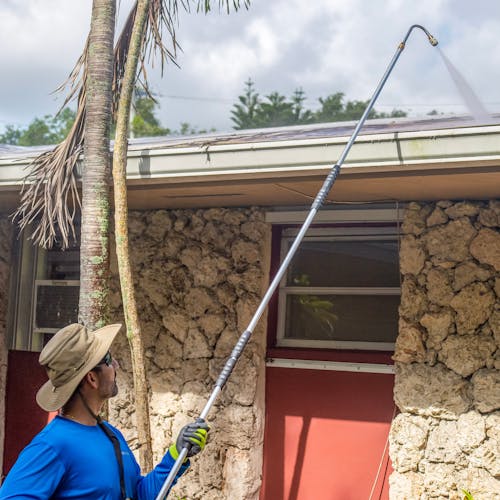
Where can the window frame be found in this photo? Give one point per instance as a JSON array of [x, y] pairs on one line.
[[29, 270], [331, 233]]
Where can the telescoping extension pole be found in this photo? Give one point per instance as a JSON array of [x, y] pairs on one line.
[[318, 202]]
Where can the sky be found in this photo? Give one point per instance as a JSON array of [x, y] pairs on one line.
[[321, 46]]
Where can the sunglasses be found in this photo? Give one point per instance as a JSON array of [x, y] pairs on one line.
[[107, 360]]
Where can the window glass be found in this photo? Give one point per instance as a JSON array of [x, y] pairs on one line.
[[352, 318], [337, 263], [63, 265], [56, 306], [342, 289]]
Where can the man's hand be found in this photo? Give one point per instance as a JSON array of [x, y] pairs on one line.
[[193, 437]]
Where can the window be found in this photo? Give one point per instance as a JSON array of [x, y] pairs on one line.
[[44, 295], [341, 289]]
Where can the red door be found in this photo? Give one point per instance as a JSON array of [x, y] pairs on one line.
[[23, 417], [326, 435]]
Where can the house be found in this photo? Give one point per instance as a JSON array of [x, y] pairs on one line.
[[374, 372]]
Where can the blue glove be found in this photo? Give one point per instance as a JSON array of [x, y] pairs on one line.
[[193, 437]]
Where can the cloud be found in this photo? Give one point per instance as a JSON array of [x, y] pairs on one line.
[[323, 46]]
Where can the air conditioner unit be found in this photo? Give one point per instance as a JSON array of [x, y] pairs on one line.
[[55, 305]]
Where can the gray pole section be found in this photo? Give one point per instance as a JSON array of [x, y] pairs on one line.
[[318, 202]]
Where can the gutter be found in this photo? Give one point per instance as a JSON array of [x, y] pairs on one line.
[[396, 152]]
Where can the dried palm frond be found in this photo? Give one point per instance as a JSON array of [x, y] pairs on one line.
[[76, 79], [50, 197], [162, 16]]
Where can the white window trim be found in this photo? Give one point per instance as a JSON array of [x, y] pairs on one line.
[[29, 263], [338, 216], [342, 233], [332, 234], [336, 366]]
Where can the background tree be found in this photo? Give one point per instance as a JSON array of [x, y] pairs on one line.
[[54, 129], [11, 135], [188, 129], [144, 120], [40, 131], [244, 111], [300, 114], [275, 110]]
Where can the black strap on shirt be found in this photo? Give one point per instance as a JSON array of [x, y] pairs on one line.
[[114, 441], [118, 453]]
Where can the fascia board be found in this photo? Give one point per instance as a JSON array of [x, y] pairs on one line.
[[372, 152], [395, 151]]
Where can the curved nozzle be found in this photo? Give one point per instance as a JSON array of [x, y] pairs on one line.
[[432, 40]]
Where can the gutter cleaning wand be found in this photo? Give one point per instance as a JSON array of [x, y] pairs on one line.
[[318, 202]]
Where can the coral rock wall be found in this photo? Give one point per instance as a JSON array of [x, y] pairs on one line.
[[447, 385], [199, 276]]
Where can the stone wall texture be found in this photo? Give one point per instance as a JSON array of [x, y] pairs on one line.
[[199, 276], [5, 264], [447, 387]]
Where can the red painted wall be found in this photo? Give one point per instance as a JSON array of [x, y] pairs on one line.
[[326, 435], [23, 417]]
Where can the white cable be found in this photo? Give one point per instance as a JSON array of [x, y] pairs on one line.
[[375, 482]]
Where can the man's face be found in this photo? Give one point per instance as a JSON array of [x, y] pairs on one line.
[[107, 379]]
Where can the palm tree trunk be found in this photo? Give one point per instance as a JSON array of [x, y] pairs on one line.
[[121, 235], [94, 256]]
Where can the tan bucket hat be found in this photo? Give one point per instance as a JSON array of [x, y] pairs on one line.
[[68, 356]]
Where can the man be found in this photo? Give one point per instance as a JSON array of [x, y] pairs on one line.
[[77, 455]]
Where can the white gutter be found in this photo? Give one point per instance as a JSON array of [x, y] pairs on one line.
[[397, 152], [393, 152]]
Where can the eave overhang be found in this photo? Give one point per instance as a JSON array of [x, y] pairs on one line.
[[239, 169]]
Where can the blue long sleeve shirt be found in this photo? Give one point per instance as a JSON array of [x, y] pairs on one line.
[[68, 460]]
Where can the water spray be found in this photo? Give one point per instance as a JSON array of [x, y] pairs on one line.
[[318, 202]]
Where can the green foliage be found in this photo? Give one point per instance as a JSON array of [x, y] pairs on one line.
[[145, 123], [244, 112], [188, 129], [54, 129], [11, 135], [300, 114], [468, 495], [47, 130], [274, 110], [251, 111], [314, 312]]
